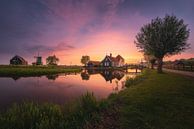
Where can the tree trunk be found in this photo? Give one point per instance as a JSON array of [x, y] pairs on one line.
[[160, 63], [152, 65]]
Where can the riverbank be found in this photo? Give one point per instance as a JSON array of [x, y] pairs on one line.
[[160, 101], [151, 101], [25, 71]]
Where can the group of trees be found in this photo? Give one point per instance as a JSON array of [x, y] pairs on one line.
[[85, 59], [52, 60], [161, 38]]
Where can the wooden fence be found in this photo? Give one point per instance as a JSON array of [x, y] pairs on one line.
[[180, 67]]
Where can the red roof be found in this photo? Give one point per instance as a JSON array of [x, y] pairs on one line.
[[116, 59], [119, 57]]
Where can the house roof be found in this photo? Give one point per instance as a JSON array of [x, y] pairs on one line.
[[116, 59], [119, 57], [94, 62], [19, 57]]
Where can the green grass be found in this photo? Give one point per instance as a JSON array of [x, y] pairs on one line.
[[7, 71], [161, 101]]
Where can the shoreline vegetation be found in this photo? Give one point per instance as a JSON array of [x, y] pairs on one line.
[[150, 101], [31, 71], [26, 71]]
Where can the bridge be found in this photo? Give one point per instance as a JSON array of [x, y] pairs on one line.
[[133, 66]]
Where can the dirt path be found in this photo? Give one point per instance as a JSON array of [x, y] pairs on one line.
[[186, 73]]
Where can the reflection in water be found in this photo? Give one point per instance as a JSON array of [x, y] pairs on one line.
[[109, 76], [16, 78], [52, 77], [85, 75], [65, 87]]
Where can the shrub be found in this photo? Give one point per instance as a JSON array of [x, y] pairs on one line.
[[29, 115]]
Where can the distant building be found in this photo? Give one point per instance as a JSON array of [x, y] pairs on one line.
[[110, 61], [18, 60], [38, 60], [93, 63]]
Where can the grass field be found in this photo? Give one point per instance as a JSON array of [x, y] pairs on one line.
[[7, 71], [151, 101], [160, 101]]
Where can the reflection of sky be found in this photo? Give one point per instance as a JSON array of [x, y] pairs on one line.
[[63, 89], [71, 28]]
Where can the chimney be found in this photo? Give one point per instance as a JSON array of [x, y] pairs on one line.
[[110, 54]]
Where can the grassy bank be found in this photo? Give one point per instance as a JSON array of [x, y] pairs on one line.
[[159, 101], [151, 101], [75, 115], [7, 71]]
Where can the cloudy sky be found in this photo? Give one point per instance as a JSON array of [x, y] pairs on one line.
[[72, 28]]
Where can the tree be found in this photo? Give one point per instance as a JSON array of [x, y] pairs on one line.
[[151, 59], [163, 37], [52, 60], [85, 59]]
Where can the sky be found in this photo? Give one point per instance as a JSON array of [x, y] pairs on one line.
[[72, 28]]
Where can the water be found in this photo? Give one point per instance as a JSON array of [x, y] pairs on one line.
[[61, 88]]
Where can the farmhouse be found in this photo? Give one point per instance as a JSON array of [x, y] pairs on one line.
[[110, 61], [17, 60]]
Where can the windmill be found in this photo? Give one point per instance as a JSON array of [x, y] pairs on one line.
[[38, 60]]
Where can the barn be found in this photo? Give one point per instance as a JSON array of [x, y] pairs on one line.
[[18, 60]]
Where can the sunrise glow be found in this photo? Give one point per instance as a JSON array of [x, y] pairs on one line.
[[70, 29]]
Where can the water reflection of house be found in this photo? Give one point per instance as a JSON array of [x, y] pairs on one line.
[[110, 75], [106, 74], [15, 78]]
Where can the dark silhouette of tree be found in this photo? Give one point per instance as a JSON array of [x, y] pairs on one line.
[[52, 60], [163, 37], [85, 76], [52, 77], [85, 59]]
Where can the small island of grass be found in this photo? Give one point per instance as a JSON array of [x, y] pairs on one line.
[[25, 71]]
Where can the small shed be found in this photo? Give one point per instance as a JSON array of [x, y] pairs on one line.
[[18, 60], [93, 63]]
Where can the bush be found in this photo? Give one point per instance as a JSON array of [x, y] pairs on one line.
[[30, 115]]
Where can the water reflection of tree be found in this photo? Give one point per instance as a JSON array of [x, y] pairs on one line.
[[85, 76], [52, 77], [119, 86]]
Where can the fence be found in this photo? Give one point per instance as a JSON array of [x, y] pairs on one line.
[[180, 67]]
